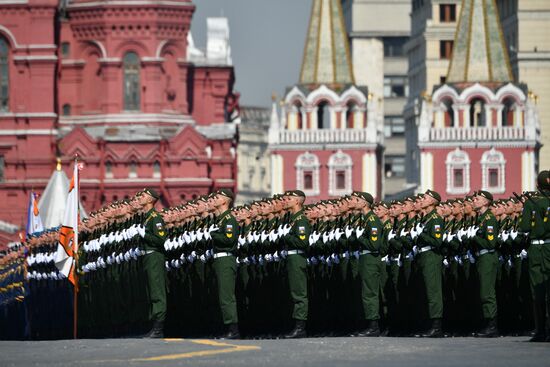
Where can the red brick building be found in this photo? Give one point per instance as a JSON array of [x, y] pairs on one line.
[[115, 83]]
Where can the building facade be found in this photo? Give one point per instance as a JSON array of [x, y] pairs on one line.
[[433, 25], [526, 24], [478, 129], [254, 175], [118, 85], [328, 140], [378, 31]]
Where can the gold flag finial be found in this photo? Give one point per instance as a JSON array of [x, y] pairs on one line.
[[58, 165]]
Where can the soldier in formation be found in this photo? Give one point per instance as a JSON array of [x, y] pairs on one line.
[[278, 266]]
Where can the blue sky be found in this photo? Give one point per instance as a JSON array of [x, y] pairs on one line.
[[267, 41]]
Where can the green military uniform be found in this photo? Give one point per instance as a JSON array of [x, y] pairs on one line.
[[153, 264], [296, 242], [487, 262], [430, 262], [535, 221], [225, 241], [370, 266]]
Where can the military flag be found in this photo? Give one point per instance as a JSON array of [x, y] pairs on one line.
[[34, 222], [67, 248]]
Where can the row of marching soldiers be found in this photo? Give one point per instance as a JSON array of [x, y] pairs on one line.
[[278, 267]]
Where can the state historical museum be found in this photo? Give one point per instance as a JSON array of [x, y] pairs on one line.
[[112, 82]]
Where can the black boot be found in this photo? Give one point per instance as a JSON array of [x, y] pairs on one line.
[[371, 330], [435, 331], [490, 330], [232, 332], [156, 332], [298, 332], [539, 337]]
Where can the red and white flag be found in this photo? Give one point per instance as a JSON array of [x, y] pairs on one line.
[[67, 247]]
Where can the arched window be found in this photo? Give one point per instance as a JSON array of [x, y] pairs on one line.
[[458, 172], [508, 112], [351, 108], [156, 169], [132, 173], [493, 171], [131, 82], [340, 174], [67, 110], [4, 76], [323, 115], [477, 113], [108, 169], [307, 173]]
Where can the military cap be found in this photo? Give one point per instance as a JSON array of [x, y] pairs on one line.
[[227, 193], [299, 193], [542, 180], [384, 204], [434, 195], [363, 195], [151, 192], [486, 194]]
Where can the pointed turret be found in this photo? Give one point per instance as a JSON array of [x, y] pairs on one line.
[[326, 54], [479, 53]]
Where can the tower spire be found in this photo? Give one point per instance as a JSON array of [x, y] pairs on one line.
[[326, 54], [479, 54]]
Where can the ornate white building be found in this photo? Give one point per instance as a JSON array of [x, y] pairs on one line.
[[480, 129], [328, 139]]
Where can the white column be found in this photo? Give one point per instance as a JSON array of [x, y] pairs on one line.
[[518, 120], [369, 173], [426, 171], [488, 115], [292, 118], [333, 111], [528, 171], [499, 115], [456, 109], [439, 117], [359, 118], [277, 173], [312, 112]]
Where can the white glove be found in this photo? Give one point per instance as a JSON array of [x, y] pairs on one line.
[[325, 237], [349, 231], [337, 234], [523, 254], [471, 257], [505, 235], [359, 232], [391, 235], [513, 234]]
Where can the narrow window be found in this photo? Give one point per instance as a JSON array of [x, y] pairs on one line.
[[131, 82]]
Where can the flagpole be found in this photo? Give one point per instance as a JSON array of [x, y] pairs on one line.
[[75, 248]]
